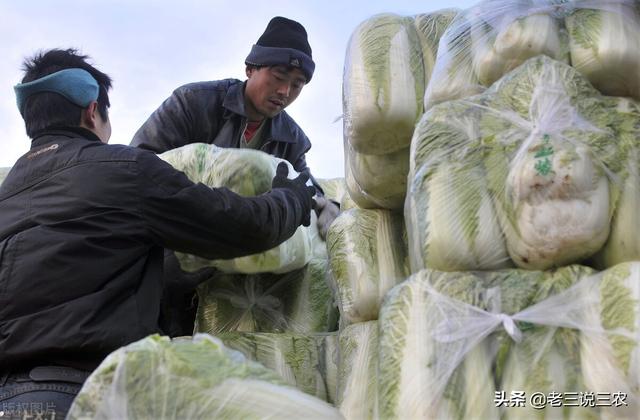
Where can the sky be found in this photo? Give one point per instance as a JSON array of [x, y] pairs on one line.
[[149, 48]]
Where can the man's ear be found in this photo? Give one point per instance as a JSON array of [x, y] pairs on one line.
[[249, 71], [90, 116]]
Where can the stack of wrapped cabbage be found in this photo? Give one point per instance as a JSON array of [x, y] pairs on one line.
[[463, 345], [387, 67], [276, 307], [483, 43], [536, 172], [156, 378]]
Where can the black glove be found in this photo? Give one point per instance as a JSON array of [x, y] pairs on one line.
[[298, 186]]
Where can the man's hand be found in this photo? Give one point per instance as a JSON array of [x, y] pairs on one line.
[[298, 186], [327, 212]]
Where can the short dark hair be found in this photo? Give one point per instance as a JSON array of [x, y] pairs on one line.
[[49, 110]]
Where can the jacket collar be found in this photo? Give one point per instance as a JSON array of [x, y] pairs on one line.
[[42, 137], [280, 129]]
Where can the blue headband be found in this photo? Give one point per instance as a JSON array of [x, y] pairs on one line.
[[77, 85]]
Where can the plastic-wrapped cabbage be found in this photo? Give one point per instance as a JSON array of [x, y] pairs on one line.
[[451, 221], [603, 39], [624, 241], [300, 301], [329, 364], [380, 178], [613, 361], [383, 84], [248, 173], [431, 27], [451, 343], [550, 152], [488, 40], [357, 365], [184, 379], [296, 358], [367, 257], [356, 197]]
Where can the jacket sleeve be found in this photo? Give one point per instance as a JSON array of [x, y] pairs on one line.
[[169, 127], [213, 223]]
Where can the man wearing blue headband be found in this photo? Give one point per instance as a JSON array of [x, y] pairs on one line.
[[250, 114], [83, 227]]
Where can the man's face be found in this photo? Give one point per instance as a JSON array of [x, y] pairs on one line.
[[269, 90]]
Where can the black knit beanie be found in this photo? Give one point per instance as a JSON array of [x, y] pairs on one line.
[[283, 42]]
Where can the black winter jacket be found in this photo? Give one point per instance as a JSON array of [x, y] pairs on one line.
[[82, 231], [213, 112]]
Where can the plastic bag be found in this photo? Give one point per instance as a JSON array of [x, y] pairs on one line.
[[534, 163], [451, 343], [195, 379]]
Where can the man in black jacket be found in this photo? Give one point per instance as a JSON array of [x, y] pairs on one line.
[[83, 225], [250, 114], [236, 114]]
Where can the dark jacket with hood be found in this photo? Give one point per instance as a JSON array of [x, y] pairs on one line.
[[83, 226]]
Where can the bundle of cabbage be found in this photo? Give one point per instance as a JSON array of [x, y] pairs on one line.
[[300, 301], [156, 378], [328, 345], [367, 258], [624, 241], [248, 173], [603, 39], [490, 39], [383, 84], [431, 27], [450, 343], [380, 178], [542, 144], [357, 366], [612, 361], [295, 358], [449, 211]]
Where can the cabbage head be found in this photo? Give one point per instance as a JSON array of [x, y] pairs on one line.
[[248, 173], [196, 379]]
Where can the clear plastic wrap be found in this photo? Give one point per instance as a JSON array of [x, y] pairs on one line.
[[357, 367], [383, 84], [603, 44], [367, 255], [388, 63], [531, 166], [156, 378], [380, 178], [248, 173], [296, 358], [451, 342], [623, 243], [486, 41], [300, 301], [431, 27]]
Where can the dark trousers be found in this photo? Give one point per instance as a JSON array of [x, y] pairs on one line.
[[44, 392]]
